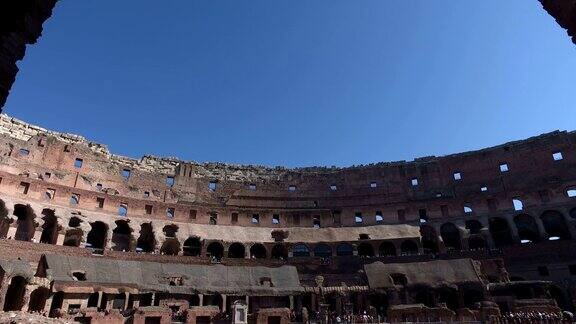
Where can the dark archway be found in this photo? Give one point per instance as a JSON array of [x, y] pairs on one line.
[[451, 236], [424, 295], [573, 213], [97, 236], [322, 250], [192, 246], [73, 237], [344, 249], [429, 239], [258, 251], [216, 250], [477, 242], [449, 296], [471, 297], [527, 228], [171, 246], [365, 250], [15, 294], [473, 226], [387, 249], [500, 232], [409, 247], [555, 225], [25, 225], [57, 302], [38, 299], [122, 236], [93, 300], [49, 228], [300, 250], [236, 251], [280, 252], [146, 241]]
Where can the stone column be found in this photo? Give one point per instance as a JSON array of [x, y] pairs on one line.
[[513, 229], [291, 302], [541, 230], [26, 299], [99, 303], [223, 308], [200, 299], [127, 295], [60, 239], [37, 236]]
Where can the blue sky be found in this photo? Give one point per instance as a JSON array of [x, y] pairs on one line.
[[299, 83]]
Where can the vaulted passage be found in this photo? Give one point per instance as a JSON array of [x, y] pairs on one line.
[[236, 251], [192, 246], [170, 247], [258, 251], [50, 227], [451, 236], [73, 236], [555, 225], [365, 250], [15, 294], [387, 249], [279, 252], [500, 232], [25, 224], [146, 241], [38, 299], [409, 248], [527, 228], [429, 239], [97, 236], [215, 250], [122, 236]]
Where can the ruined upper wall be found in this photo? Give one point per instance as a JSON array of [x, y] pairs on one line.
[[564, 11], [20, 24]]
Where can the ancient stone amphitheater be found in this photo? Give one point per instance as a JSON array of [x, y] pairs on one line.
[[94, 237]]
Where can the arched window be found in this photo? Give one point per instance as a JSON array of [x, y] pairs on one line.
[[344, 249], [279, 251], [527, 228], [192, 246], [300, 250], [236, 251], [365, 250], [555, 225], [322, 251], [451, 236], [500, 231], [258, 251], [409, 247], [387, 249]]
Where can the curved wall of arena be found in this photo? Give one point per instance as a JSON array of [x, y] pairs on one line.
[[60, 186]]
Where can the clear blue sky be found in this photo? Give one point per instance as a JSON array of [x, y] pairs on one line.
[[299, 82]]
